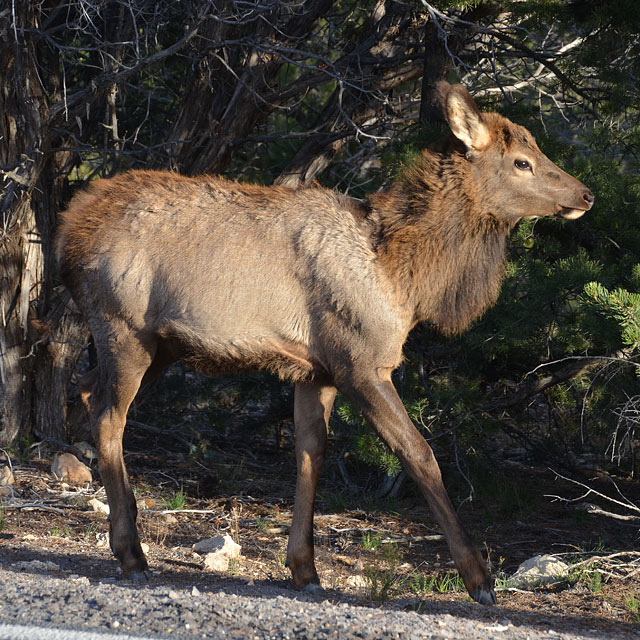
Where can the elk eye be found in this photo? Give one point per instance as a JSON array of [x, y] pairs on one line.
[[523, 165]]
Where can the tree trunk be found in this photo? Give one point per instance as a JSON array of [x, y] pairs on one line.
[[28, 204]]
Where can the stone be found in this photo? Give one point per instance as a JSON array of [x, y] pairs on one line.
[[218, 544], [216, 562], [6, 476], [98, 506], [537, 571], [219, 551], [67, 467], [358, 581], [102, 540]]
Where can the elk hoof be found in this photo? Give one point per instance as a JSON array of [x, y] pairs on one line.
[[138, 577], [484, 596]]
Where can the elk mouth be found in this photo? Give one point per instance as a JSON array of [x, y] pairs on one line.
[[569, 213]]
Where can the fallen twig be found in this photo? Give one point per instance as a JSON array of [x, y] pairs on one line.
[[627, 504]]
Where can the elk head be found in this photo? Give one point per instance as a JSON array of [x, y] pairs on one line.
[[513, 178]]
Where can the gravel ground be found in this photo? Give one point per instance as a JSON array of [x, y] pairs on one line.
[[32, 595]]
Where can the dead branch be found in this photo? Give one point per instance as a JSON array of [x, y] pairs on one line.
[[596, 510], [625, 503], [576, 366]]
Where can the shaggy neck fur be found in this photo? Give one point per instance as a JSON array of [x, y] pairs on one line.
[[441, 248]]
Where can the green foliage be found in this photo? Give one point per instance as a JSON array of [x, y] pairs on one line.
[[371, 541], [619, 305], [371, 450], [632, 603], [450, 582], [382, 576], [177, 501]]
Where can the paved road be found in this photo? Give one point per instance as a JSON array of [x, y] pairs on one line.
[[30, 632], [35, 601]]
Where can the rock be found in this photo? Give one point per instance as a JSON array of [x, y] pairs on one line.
[[88, 452], [6, 476], [358, 581], [169, 519], [219, 551], [98, 507], [67, 467], [539, 570], [5, 490], [102, 540], [216, 562], [145, 547], [223, 544]]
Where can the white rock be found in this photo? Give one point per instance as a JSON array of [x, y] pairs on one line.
[[219, 551], [216, 562], [145, 547], [358, 581], [98, 506], [6, 477], [67, 467], [219, 544], [539, 570]]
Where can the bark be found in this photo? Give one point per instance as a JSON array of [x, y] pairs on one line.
[[28, 204], [23, 150]]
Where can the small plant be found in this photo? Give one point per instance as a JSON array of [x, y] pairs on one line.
[[383, 579], [633, 607], [422, 585], [594, 581], [442, 583], [262, 524], [60, 532], [91, 531], [371, 541], [176, 502], [449, 583], [280, 559], [3, 520]]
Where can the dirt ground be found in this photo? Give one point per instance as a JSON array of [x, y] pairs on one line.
[[374, 551]]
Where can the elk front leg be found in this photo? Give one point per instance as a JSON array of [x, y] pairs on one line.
[[312, 408], [114, 387], [381, 406]]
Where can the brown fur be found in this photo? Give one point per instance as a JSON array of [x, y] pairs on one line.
[[307, 283]]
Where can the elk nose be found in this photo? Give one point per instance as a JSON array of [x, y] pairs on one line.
[[587, 196]]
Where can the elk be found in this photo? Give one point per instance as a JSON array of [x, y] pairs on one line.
[[307, 283]]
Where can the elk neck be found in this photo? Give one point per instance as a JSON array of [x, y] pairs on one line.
[[442, 250]]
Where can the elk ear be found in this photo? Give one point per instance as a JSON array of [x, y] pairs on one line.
[[465, 118]]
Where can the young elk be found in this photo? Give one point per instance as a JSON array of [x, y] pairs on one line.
[[312, 285]]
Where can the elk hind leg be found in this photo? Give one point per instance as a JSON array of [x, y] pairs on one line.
[[312, 408], [115, 385]]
